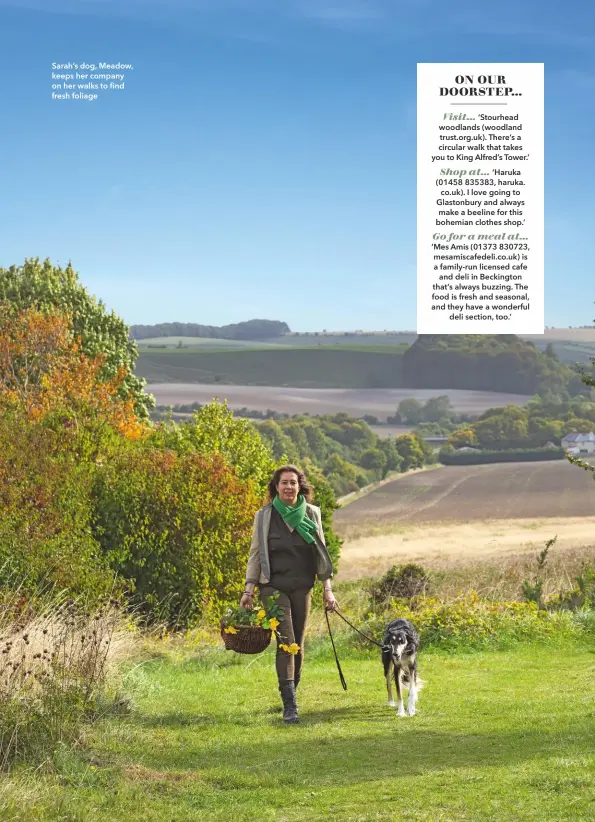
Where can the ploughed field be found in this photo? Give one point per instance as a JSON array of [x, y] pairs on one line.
[[463, 514], [506, 491], [380, 402]]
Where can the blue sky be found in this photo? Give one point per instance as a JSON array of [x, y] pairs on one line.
[[261, 160]]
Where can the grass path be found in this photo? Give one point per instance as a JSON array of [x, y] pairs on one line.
[[499, 736]]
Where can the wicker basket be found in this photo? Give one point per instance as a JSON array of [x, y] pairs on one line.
[[250, 639]]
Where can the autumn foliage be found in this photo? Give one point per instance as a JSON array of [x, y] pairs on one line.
[[43, 370], [55, 290], [90, 493], [94, 498]]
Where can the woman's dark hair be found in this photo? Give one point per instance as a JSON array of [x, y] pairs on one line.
[[304, 486]]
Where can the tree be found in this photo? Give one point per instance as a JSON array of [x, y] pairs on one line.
[[214, 429], [410, 410], [551, 352], [319, 446], [576, 425], [542, 431], [393, 458], [52, 289], [426, 449], [337, 465], [463, 437], [501, 362], [437, 408], [410, 451], [373, 460], [295, 432], [589, 380], [502, 431], [281, 446], [44, 372]]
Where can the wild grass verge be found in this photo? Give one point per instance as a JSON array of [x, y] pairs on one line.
[[59, 663]]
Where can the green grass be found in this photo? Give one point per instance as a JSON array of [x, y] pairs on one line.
[[300, 361], [499, 736], [203, 342], [315, 367]]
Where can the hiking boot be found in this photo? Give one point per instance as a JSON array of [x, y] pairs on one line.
[[290, 712]]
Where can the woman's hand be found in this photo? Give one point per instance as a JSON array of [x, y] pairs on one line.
[[247, 600], [330, 603]]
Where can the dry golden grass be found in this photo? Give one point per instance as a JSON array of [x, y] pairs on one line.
[[371, 551], [58, 660]]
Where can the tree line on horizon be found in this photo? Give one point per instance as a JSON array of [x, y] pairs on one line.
[[248, 330], [488, 362]]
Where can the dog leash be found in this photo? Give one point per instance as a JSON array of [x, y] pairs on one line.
[[330, 633], [336, 611], [369, 638]]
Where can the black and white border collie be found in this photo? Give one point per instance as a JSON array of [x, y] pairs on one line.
[[399, 657]]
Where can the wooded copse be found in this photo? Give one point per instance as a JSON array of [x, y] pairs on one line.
[[489, 362]]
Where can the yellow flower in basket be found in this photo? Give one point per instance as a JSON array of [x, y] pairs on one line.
[[231, 630], [274, 623], [261, 614]]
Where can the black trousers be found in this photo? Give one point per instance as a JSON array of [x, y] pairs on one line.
[[296, 607]]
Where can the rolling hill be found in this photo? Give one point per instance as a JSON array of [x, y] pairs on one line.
[[316, 367]]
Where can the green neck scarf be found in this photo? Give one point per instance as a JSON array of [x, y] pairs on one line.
[[296, 517]]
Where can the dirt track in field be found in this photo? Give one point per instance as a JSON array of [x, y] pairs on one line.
[[456, 513]]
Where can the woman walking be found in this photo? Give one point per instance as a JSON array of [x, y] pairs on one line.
[[288, 553]]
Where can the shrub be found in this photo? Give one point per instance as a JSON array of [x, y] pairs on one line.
[[177, 528], [45, 534], [400, 582], [476, 623], [325, 499], [449, 456], [579, 597]]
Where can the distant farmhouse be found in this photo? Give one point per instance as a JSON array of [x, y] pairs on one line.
[[579, 443]]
